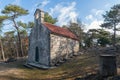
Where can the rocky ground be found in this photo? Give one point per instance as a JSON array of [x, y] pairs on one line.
[[82, 67]]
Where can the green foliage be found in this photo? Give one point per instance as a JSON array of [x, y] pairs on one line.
[[23, 33], [20, 23], [102, 37], [9, 34], [25, 25], [14, 11], [113, 16], [93, 33], [2, 18], [49, 19], [90, 36], [112, 19], [76, 29], [103, 33], [118, 39], [103, 41], [88, 42], [30, 25], [107, 25]]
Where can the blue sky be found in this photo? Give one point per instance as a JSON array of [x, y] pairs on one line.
[[88, 11]]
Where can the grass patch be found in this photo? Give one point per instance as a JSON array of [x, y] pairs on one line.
[[75, 67]]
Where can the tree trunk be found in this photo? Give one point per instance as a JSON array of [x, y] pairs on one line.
[[20, 44], [80, 40], [3, 54], [20, 49], [17, 55], [114, 36]]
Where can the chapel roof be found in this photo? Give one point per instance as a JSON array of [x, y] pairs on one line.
[[60, 31]]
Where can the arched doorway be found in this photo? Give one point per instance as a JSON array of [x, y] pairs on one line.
[[36, 54]]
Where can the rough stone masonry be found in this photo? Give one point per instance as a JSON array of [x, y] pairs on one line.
[[48, 43]]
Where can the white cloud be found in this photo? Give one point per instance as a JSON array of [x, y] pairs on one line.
[[65, 13], [95, 19], [56, 8], [42, 4], [93, 25], [97, 12], [107, 5], [39, 5], [73, 16], [89, 17], [16, 2]]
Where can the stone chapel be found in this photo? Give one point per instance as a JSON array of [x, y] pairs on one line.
[[49, 44]]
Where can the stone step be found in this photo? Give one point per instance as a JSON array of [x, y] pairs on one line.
[[28, 66], [38, 66]]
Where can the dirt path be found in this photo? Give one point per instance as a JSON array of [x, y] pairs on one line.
[[12, 70], [78, 66]]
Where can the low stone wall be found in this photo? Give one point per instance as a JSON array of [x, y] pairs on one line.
[[62, 48]]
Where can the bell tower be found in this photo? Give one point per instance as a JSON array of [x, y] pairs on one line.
[[39, 16]]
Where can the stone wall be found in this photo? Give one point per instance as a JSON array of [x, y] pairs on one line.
[[39, 38], [62, 48]]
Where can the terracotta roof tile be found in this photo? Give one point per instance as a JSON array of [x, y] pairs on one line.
[[60, 31]]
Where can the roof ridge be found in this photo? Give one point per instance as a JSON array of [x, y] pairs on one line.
[[58, 26], [59, 30]]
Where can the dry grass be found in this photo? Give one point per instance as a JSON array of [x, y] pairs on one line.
[[76, 67]]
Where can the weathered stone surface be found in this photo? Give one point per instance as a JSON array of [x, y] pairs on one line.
[[62, 47], [48, 49], [108, 65], [39, 38]]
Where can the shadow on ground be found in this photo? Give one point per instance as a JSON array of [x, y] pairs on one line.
[[98, 77]]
